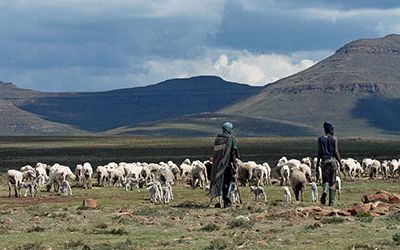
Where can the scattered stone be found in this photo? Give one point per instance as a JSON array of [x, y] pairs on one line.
[[360, 208], [90, 203], [241, 217], [317, 224]]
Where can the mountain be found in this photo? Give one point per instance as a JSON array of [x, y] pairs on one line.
[[357, 88], [209, 124], [100, 111]]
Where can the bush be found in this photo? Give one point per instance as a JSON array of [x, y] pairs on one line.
[[365, 217], [396, 238], [332, 220], [241, 222], [32, 246], [36, 229], [209, 227], [218, 244]]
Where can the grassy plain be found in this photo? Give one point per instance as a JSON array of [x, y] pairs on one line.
[[59, 222]]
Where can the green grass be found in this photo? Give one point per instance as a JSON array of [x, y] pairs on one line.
[[54, 221]]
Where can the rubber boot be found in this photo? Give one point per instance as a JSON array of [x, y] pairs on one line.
[[332, 192], [325, 188]]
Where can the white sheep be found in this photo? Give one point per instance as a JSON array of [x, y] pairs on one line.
[[307, 171], [245, 171], [293, 163], [65, 188], [393, 167], [102, 175], [268, 173], [199, 174], [287, 197], [233, 193], [260, 174], [282, 161], [314, 192], [156, 192], [79, 173], [174, 169], [14, 178], [167, 193], [285, 175], [385, 170], [87, 175], [258, 191], [26, 168], [58, 174], [41, 174], [374, 169], [31, 187], [185, 169]]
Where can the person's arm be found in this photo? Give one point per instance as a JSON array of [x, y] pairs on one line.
[[337, 155], [319, 154]]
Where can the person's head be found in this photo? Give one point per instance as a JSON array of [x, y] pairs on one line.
[[329, 128], [227, 127]]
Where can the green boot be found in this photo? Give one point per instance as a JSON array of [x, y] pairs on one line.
[[325, 188], [332, 193]]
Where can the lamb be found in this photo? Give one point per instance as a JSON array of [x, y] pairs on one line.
[[258, 191], [285, 175], [65, 188], [287, 197], [314, 192], [87, 175], [167, 193], [130, 182], [338, 187], [298, 182], [233, 193], [14, 178], [199, 174], [31, 187], [156, 192]]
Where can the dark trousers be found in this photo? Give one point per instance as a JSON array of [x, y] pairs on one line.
[[329, 172], [228, 178]]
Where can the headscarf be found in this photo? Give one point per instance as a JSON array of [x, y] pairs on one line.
[[227, 128], [329, 128]]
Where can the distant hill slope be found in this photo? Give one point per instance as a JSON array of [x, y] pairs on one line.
[[209, 124], [100, 111], [357, 88]]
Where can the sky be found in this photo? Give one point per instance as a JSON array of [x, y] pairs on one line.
[[94, 45]]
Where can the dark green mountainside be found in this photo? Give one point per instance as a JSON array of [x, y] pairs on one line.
[[357, 88]]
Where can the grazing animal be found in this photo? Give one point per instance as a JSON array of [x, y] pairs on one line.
[[258, 191], [233, 193], [65, 188], [298, 182], [156, 192], [31, 187], [338, 187], [287, 197], [314, 192]]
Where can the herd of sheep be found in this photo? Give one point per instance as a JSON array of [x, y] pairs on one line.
[[159, 178]]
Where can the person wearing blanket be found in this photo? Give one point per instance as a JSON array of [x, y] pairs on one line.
[[328, 154], [224, 165]]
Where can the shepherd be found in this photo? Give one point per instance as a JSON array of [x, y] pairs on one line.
[[224, 165], [328, 153]]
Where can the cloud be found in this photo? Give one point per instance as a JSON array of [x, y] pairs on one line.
[[239, 66]]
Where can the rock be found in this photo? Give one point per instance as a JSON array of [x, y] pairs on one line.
[[384, 197], [360, 208], [241, 217], [394, 199], [90, 203], [344, 213]]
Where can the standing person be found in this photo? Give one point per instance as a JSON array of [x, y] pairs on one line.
[[328, 152], [224, 164]]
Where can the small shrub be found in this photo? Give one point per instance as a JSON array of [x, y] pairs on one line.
[[365, 217], [58, 215], [101, 226], [36, 229], [240, 222], [209, 227], [218, 244], [396, 238], [332, 220], [276, 230], [74, 244], [32, 246], [118, 231]]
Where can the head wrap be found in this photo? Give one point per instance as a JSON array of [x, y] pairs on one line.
[[329, 128], [227, 127]]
